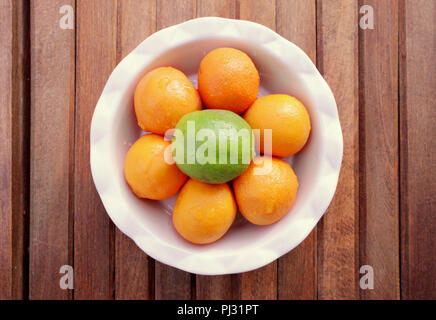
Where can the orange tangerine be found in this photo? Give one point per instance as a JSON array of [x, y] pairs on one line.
[[146, 171], [162, 97], [288, 119], [228, 79], [204, 212], [266, 191]]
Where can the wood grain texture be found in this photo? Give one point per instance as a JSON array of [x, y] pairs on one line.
[[297, 269], [14, 122], [171, 12], [301, 29], [418, 118], [52, 53], [215, 287], [171, 283], [6, 83], [338, 260], [379, 177], [216, 8], [260, 283], [93, 231], [134, 270], [262, 12]]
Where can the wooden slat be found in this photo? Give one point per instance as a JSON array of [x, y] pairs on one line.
[[379, 201], [260, 283], [93, 231], [301, 29], [418, 180], [6, 83], [337, 59], [171, 283], [20, 149], [297, 269], [262, 12], [216, 8], [215, 287], [51, 148], [134, 277], [171, 12], [14, 120]]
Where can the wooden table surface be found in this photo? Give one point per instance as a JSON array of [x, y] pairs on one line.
[[383, 213]]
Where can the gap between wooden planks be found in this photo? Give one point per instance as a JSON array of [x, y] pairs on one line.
[[14, 148]]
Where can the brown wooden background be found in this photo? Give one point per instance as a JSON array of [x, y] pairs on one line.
[[383, 213]]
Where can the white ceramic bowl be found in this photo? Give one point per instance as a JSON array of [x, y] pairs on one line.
[[284, 68]]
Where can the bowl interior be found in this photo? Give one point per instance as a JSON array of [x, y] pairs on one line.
[[276, 77]]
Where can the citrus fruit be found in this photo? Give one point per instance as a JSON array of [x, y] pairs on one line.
[[146, 171], [204, 212], [162, 97], [213, 146], [288, 119], [228, 79], [266, 191]]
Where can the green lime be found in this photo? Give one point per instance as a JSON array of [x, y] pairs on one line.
[[213, 146]]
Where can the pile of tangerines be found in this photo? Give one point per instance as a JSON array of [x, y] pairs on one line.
[[227, 80]]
